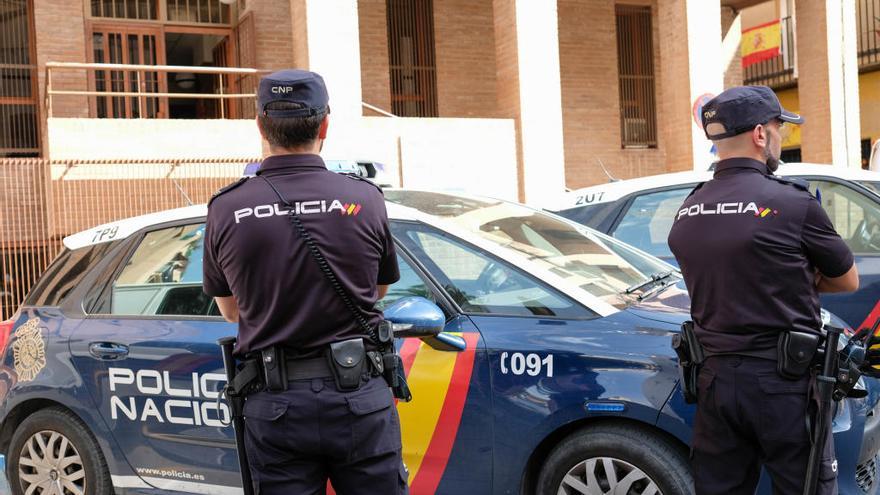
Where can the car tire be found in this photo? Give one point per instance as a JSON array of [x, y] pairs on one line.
[[55, 446], [616, 454]]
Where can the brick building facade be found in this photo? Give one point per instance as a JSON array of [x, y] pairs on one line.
[[474, 66], [511, 98]]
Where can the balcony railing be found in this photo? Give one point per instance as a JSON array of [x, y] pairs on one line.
[[142, 91], [868, 26], [778, 71]]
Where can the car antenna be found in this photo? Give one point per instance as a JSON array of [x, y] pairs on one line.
[[610, 177], [182, 192]]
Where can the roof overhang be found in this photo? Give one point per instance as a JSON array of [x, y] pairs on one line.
[[741, 4]]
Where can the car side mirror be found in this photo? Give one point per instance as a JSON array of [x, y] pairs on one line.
[[415, 317]]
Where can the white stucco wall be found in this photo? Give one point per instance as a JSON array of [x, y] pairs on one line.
[[107, 139], [470, 155]]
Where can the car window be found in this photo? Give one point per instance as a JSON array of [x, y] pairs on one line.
[[871, 184], [164, 276], [65, 274], [856, 217], [410, 284], [480, 283], [648, 220]]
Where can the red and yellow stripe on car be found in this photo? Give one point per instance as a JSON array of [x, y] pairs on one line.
[[439, 381]]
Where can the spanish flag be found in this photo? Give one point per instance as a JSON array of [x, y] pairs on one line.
[[761, 42]]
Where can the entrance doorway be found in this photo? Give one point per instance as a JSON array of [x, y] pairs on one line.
[[197, 50]]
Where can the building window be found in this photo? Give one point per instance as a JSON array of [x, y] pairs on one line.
[[183, 11], [635, 63], [18, 94], [791, 155], [125, 9], [411, 58]]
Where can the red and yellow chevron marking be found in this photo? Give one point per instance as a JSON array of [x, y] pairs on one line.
[[430, 425], [872, 317], [350, 209], [439, 381]]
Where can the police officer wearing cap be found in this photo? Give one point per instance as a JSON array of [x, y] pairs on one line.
[[755, 250], [262, 271]]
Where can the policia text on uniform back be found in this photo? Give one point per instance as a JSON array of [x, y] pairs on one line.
[[302, 283], [755, 250]]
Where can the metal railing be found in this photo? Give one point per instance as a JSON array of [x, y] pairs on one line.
[[43, 201], [779, 71], [868, 28], [144, 85]]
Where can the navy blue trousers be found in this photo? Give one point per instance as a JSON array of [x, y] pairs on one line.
[[749, 416], [298, 439]]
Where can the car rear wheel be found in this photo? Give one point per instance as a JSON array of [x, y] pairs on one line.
[[53, 453], [615, 459]]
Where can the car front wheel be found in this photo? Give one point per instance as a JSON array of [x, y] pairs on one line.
[[52, 452], [615, 459]]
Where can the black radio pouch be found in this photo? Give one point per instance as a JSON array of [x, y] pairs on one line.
[[795, 352], [274, 368], [346, 360]]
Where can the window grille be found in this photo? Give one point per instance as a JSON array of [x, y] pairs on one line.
[[411, 58], [635, 63], [125, 9], [188, 11], [868, 20], [18, 96]]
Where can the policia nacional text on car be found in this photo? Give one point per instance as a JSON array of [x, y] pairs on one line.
[[755, 250], [298, 256]]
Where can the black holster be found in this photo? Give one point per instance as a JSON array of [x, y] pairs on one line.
[[274, 366], [795, 352], [690, 358], [392, 365]]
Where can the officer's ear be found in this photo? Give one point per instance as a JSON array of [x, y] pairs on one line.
[[759, 136], [322, 131]]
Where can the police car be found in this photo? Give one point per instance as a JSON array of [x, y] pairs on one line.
[[554, 373], [640, 212]]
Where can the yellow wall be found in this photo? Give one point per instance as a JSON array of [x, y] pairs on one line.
[[791, 102], [869, 105], [869, 109]]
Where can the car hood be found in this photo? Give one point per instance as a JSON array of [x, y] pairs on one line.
[[673, 305]]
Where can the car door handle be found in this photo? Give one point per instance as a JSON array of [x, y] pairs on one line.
[[108, 351]]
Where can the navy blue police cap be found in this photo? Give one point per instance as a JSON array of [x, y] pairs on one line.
[[294, 86], [742, 108]]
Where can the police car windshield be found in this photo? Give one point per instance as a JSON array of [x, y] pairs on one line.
[[596, 263], [872, 185]]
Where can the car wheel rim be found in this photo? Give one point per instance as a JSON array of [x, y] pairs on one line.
[[50, 465], [606, 476]]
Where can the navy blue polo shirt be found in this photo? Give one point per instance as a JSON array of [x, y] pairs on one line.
[[748, 244], [253, 252]]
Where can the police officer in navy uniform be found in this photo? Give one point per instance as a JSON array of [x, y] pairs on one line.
[[755, 250], [263, 276]]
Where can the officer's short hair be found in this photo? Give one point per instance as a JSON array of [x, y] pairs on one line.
[[290, 132]]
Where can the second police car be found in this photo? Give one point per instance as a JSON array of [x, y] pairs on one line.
[[640, 212], [556, 375]]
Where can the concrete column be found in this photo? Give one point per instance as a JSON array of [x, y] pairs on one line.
[[529, 91], [828, 78], [690, 47], [329, 31]]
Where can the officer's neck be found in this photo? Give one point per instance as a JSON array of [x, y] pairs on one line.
[[758, 155], [314, 148]]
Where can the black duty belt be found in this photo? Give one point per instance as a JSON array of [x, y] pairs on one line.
[[306, 369], [297, 369]]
